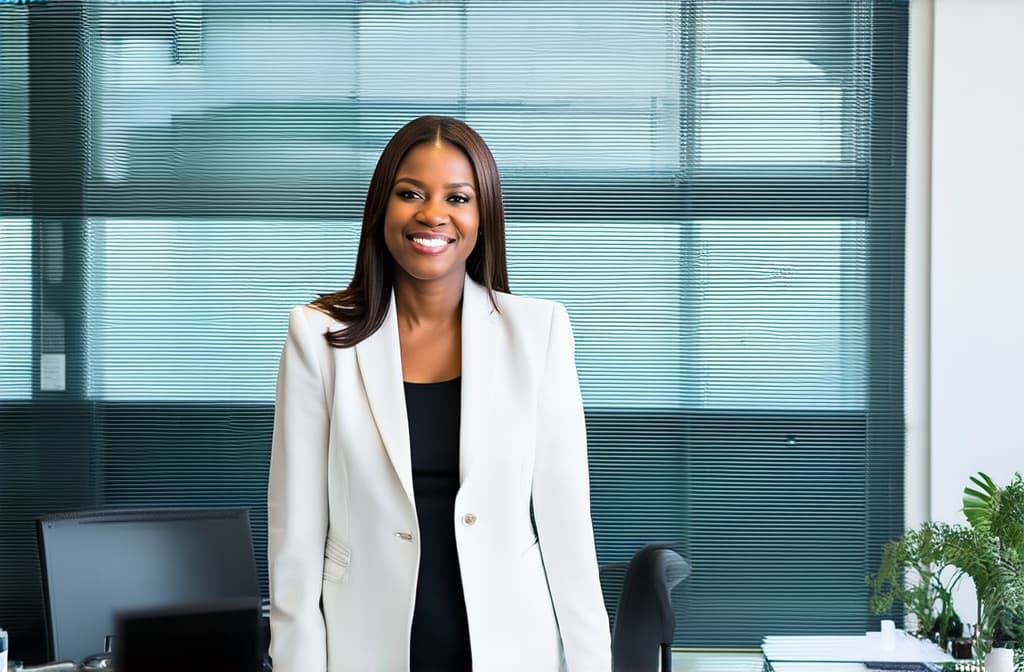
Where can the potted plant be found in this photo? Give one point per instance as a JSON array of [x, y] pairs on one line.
[[922, 569], [917, 572], [991, 552]]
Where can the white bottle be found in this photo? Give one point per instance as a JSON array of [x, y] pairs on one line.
[[999, 660], [3, 650], [888, 631]]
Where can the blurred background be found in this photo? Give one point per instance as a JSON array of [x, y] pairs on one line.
[[715, 189]]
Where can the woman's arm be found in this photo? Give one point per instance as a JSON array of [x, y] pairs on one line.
[[297, 505], [561, 503]]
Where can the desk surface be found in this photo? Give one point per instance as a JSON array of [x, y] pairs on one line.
[[851, 653], [852, 667]]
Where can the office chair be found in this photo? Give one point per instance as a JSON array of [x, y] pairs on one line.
[[644, 621], [98, 564]]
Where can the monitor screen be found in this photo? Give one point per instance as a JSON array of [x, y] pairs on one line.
[[99, 564]]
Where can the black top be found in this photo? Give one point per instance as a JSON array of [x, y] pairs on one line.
[[440, 630]]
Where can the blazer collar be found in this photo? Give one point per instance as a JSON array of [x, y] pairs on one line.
[[380, 366]]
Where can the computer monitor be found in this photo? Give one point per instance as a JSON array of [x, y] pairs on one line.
[[219, 637], [98, 564]]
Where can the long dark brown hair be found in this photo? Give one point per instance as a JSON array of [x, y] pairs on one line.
[[363, 305]]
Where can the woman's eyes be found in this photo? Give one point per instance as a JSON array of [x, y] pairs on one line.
[[408, 195]]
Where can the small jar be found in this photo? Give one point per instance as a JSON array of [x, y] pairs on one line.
[[963, 649]]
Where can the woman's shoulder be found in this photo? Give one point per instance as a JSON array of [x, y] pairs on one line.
[[530, 309], [523, 302], [315, 317]]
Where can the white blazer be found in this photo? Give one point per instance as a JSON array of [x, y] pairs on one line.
[[343, 536]]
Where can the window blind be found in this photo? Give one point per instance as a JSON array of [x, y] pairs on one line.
[[714, 190], [15, 227]]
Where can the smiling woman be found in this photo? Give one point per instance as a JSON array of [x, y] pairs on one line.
[[429, 492]]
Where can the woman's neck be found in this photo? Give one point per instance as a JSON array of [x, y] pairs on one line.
[[424, 302]]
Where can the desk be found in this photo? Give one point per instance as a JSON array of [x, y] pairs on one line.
[[853, 667], [857, 653]]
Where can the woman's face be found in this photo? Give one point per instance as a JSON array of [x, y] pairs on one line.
[[432, 218]]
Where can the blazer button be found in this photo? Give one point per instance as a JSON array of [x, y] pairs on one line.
[[468, 519]]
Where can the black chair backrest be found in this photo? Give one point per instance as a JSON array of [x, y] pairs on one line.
[[644, 621]]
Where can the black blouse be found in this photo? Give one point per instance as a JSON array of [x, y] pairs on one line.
[[440, 630]]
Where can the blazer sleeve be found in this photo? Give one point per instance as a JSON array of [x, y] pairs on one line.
[[561, 502], [297, 505]]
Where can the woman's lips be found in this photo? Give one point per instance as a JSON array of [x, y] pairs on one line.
[[426, 243]]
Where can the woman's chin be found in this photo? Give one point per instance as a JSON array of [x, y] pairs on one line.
[[432, 272]]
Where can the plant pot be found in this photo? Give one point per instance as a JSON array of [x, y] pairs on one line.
[[999, 660]]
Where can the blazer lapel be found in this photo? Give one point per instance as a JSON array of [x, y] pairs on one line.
[[479, 327], [380, 366]]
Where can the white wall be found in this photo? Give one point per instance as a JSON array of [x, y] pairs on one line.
[[977, 248]]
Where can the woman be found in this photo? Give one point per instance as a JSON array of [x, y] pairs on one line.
[[422, 414]]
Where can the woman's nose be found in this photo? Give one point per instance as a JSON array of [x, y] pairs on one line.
[[432, 215]]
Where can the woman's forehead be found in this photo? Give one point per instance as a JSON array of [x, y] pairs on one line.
[[445, 162]]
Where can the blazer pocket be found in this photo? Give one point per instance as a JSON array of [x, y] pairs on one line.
[[337, 561]]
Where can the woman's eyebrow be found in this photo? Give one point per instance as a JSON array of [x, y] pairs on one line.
[[450, 185]]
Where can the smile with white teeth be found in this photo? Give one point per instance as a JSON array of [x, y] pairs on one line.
[[430, 242]]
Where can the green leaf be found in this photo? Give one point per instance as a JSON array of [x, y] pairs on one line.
[[977, 495], [979, 504], [988, 485]]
